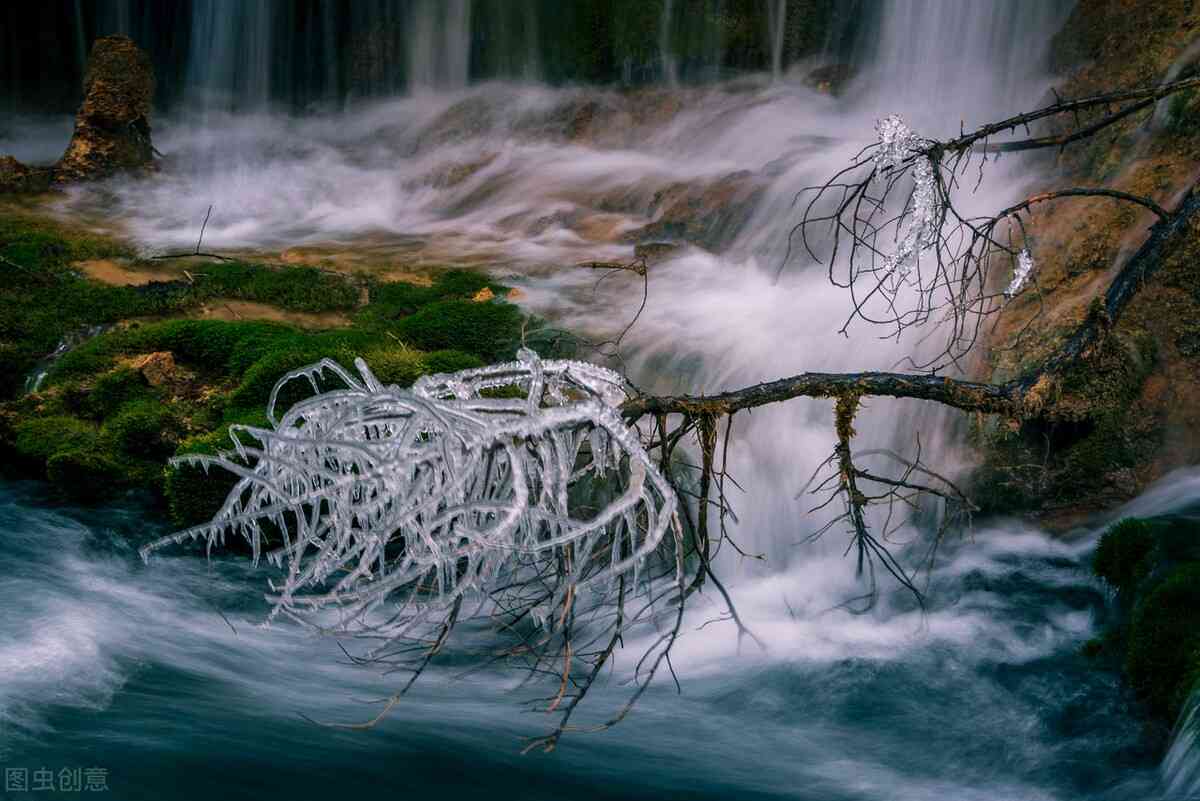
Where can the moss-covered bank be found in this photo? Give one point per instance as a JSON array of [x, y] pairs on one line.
[[110, 411], [1152, 567]]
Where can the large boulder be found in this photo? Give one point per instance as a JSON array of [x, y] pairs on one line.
[[112, 128]]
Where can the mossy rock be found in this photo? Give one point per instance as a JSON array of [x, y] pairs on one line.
[[1122, 556], [1164, 641], [491, 331], [397, 299], [194, 494], [113, 390], [144, 429], [449, 361], [39, 438], [85, 475], [304, 289]]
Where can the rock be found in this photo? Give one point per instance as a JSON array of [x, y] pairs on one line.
[[830, 79], [466, 119], [112, 127], [707, 214], [16, 177], [448, 176], [159, 369], [654, 252]]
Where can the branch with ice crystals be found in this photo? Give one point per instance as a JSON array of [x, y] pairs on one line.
[[1021, 273], [899, 147], [389, 505]]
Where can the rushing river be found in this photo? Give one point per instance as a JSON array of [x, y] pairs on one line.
[[161, 676]]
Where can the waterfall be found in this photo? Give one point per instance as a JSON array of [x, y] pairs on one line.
[[533, 179], [439, 38], [669, 64], [777, 26], [974, 61], [232, 52], [1181, 768]]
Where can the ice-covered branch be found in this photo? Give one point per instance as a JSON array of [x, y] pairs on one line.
[[891, 232], [516, 489]]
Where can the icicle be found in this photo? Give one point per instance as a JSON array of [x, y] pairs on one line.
[[899, 147], [1021, 274]]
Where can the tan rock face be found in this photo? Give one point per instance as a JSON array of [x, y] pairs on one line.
[[16, 177], [158, 369], [112, 128]]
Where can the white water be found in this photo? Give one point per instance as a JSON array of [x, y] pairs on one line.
[[108, 662], [539, 195]]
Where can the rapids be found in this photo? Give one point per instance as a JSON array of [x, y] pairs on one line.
[[160, 675]]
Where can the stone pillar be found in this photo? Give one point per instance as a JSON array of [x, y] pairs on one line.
[[112, 127]]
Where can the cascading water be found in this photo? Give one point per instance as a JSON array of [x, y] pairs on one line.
[[1181, 768], [777, 25], [439, 44], [984, 697]]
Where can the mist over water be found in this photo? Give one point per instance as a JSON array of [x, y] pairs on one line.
[[983, 697]]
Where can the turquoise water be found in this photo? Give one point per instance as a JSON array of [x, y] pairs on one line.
[[159, 675]]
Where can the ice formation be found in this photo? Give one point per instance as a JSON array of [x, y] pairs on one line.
[[898, 147], [392, 505], [1021, 273]]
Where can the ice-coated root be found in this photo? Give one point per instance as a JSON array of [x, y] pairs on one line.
[[515, 490]]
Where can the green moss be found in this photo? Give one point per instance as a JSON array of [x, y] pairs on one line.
[[114, 389], [194, 494], [490, 331], [449, 361], [305, 289], [400, 366], [394, 300], [1164, 639], [143, 428], [86, 475], [1183, 113], [1122, 556], [236, 365], [39, 438]]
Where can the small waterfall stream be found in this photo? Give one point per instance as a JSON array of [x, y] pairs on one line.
[[1181, 768]]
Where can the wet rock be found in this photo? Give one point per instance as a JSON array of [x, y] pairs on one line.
[[466, 119], [16, 177], [112, 127], [159, 369], [705, 214], [654, 252], [448, 176], [829, 79]]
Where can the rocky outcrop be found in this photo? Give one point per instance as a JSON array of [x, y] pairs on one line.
[[1131, 412], [15, 177], [112, 127]]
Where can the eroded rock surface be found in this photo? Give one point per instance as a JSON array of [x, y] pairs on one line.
[[112, 127], [16, 177]]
